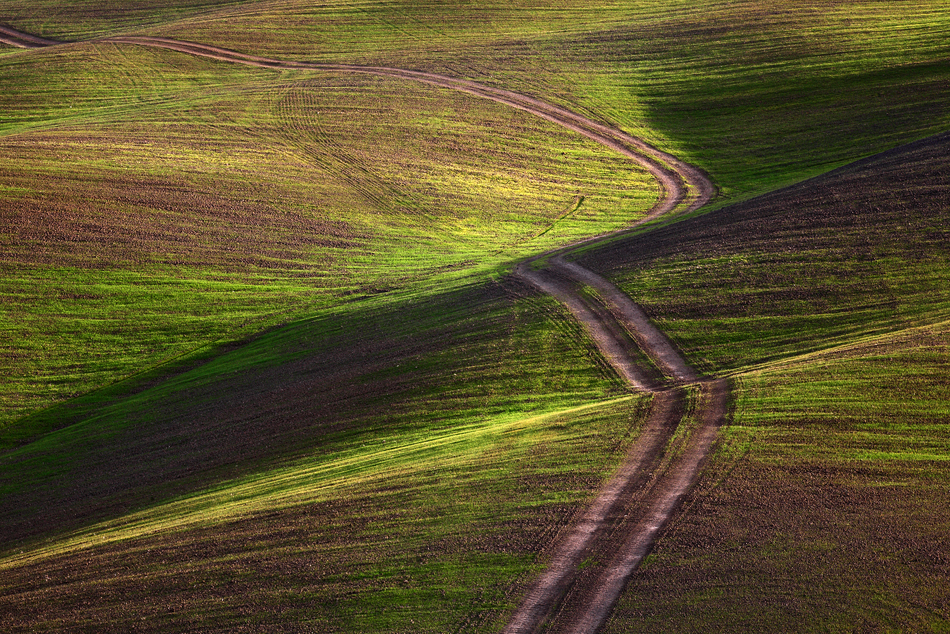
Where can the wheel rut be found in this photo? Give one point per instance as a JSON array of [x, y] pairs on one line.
[[20, 39], [592, 559]]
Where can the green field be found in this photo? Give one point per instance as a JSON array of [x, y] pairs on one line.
[[825, 508], [217, 201], [264, 367]]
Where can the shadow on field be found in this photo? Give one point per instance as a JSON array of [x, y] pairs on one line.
[[423, 363], [763, 98]]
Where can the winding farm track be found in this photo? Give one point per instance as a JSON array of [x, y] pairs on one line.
[[23, 40], [617, 530]]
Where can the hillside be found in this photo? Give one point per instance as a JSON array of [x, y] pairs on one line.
[[187, 205], [271, 361], [223, 205], [828, 304]]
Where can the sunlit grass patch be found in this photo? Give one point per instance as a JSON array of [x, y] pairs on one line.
[[465, 431]]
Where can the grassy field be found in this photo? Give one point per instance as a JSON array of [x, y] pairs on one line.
[[855, 253], [825, 508], [411, 532], [263, 369], [672, 73], [183, 205], [716, 83]]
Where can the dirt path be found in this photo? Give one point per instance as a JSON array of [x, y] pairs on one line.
[[607, 334], [650, 338], [23, 40], [608, 508], [596, 555], [619, 527], [591, 599], [680, 183]]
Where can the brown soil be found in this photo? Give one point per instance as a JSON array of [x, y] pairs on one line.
[[851, 211], [141, 219], [608, 508]]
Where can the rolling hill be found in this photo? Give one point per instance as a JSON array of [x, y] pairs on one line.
[[267, 368]]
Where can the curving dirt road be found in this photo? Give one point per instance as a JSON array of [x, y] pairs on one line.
[[680, 182], [619, 527], [23, 40]]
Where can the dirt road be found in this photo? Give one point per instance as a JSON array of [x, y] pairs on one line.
[[23, 40], [653, 495], [596, 555], [681, 183], [619, 527]]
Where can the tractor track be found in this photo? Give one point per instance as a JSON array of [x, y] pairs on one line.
[[20, 39], [621, 523]]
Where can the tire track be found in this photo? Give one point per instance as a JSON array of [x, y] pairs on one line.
[[589, 603], [620, 525], [307, 137], [20, 39]]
